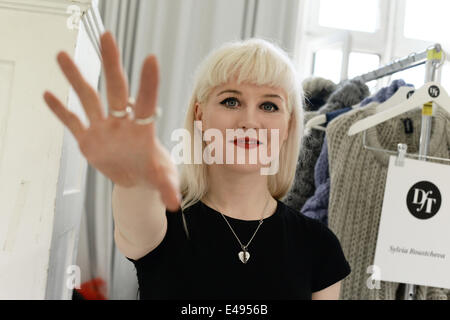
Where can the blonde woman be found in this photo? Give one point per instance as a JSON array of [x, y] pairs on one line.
[[216, 231]]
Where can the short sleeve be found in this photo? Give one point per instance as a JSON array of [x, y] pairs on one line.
[[329, 263], [170, 241], [157, 253]]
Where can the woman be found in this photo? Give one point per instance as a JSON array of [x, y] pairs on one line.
[[232, 238]]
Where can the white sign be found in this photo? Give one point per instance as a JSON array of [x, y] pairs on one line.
[[413, 244]]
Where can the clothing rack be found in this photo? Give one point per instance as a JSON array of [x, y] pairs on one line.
[[397, 65], [433, 60]]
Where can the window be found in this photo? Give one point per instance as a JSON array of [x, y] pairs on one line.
[[350, 34], [377, 32], [433, 16], [360, 63], [414, 76], [341, 14], [327, 63]]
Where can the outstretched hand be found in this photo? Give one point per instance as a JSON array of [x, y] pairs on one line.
[[128, 153]]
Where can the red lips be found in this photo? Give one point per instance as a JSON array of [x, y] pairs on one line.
[[247, 140]]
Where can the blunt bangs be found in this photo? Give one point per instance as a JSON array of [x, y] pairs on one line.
[[254, 61]]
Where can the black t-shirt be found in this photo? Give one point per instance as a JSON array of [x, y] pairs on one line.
[[291, 256]]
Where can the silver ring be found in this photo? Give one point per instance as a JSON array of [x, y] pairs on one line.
[[123, 113], [149, 119]]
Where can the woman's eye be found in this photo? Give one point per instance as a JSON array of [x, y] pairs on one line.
[[230, 102], [267, 107]]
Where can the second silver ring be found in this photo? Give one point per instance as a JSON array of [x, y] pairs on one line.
[[124, 113]]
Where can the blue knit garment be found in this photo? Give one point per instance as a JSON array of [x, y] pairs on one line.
[[316, 207], [385, 93], [334, 114]]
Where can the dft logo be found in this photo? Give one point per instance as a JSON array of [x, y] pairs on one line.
[[424, 200], [434, 91]]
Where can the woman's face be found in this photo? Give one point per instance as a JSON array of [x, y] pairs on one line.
[[246, 107]]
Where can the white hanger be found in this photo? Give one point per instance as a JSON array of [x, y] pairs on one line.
[[403, 93], [430, 92], [318, 121], [399, 96]]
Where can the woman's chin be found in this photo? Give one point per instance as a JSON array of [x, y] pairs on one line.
[[244, 168]]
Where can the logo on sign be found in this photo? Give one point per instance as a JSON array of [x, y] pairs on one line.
[[434, 91], [424, 200]]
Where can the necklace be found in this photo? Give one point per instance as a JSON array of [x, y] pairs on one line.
[[244, 255]]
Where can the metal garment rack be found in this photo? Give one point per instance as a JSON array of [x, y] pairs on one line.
[[433, 60]]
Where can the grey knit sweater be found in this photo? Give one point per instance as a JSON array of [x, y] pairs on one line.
[[347, 94], [358, 178]]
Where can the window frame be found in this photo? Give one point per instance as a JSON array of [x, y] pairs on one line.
[[388, 42], [341, 39], [364, 40], [403, 45]]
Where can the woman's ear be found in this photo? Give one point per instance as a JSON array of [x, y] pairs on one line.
[[198, 114]]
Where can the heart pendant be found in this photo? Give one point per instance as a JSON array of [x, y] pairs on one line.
[[244, 256]]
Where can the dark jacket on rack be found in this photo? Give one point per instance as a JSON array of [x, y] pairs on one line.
[[317, 91], [316, 207], [347, 94]]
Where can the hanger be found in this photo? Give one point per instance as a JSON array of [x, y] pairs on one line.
[[430, 92], [403, 93], [400, 95], [319, 120]]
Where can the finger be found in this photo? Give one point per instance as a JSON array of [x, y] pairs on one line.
[[116, 82], [70, 120], [169, 190], [88, 96], [148, 90]]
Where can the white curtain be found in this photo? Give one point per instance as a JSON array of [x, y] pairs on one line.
[[181, 33]]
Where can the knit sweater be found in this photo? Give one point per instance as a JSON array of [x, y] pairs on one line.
[[316, 207], [358, 178], [347, 94]]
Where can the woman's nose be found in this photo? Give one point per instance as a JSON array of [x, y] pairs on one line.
[[248, 118]]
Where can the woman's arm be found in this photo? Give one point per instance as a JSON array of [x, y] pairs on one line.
[[330, 293], [128, 153], [140, 222]]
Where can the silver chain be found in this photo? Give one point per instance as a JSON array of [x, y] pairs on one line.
[[260, 223]]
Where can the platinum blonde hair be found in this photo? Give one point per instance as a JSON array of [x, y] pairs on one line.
[[254, 61]]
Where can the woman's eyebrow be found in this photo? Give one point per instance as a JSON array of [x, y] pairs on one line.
[[273, 96], [240, 93], [230, 91]]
